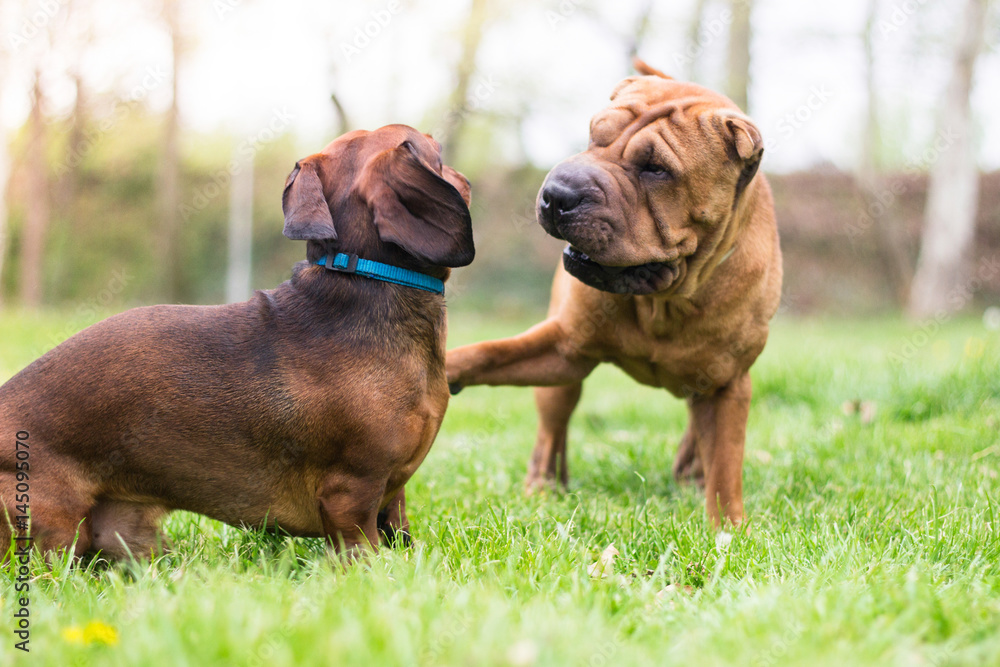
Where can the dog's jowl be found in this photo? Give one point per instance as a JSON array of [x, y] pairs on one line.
[[307, 407], [672, 271]]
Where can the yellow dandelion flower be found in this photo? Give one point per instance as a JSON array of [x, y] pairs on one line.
[[100, 632], [974, 347], [93, 632], [73, 635]]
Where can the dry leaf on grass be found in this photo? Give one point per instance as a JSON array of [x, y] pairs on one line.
[[664, 597], [864, 409], [605, 565]]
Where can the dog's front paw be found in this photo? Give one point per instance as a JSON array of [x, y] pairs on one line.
[[459, 368], [394, 536], [540, 484], [397, 539]]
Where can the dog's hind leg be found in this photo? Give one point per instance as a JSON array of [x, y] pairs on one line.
[[57, 510], [7, 545], [548, 465], [122, 529], [688, 466], [349, 507]]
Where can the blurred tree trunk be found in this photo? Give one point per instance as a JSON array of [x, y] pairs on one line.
[[642, 24], [871, 149], [343, 124], [953, 190], [238, 271], [4, 180], [693, 51], [738, 56], [38, 212], [76, 36], [888, 231], [457, 105], [169, 181], [5, 161], [69, 171]]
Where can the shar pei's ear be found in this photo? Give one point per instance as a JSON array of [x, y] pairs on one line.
[[744, 145]]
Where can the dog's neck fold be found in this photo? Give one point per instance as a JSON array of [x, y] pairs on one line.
[[661, 314]]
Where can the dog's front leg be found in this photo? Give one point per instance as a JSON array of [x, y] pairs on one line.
[[392, 522], [719, 422], [540, 357]]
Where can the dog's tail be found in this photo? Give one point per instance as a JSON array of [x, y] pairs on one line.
[[642, 68]]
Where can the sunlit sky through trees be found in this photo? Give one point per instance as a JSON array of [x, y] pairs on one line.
[[551, 64]]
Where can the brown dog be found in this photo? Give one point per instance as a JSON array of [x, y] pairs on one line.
[[307, 407], [672, 273]]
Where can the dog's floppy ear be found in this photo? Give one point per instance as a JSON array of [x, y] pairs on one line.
[[745, 137], [745, 141], [417, 209], [307, 213], [460, 182]]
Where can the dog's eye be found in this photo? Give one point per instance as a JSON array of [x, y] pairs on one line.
[[654, 169]]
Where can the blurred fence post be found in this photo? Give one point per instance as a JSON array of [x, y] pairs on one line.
[[240, 231]]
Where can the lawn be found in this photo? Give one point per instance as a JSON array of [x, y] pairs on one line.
[[872, 533]]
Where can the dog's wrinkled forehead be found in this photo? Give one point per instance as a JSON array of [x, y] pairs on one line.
[[646, 98], [630, 99]]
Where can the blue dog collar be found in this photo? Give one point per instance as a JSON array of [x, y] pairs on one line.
[[344, 263]]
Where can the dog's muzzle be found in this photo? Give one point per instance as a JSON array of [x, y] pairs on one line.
[[643, 279], [569, 191]]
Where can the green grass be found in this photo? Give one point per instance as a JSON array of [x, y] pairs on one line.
[[869, 544]]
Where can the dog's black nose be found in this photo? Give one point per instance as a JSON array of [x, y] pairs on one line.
[[569, 187], [569, 193], [558, 199]]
